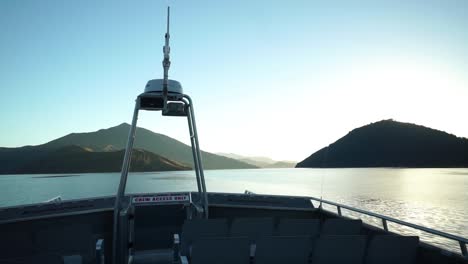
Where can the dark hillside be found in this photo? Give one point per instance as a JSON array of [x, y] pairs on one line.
[[75, 159], [116, 138], [392, 144]]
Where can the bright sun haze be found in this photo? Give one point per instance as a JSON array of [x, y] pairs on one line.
[[272, 78]]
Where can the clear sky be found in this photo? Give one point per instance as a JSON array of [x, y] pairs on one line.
[[274, 78]]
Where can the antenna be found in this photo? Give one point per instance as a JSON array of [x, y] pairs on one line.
[[166, 62]]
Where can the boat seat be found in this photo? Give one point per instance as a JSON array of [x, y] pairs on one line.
[[201, 228], [228, 250], [299, 227], [18, 247], [285, 249], [253, 228], [339, 250], [73, 259], [154, 226], [387, 249], [341, 227], [75, 242], [35, 259], [15, 244], [158, 256]]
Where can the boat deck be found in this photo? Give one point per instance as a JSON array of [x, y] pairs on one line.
[[68, 231]]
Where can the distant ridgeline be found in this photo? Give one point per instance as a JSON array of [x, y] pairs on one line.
[[261, 162], [392, 144], [103, 151]]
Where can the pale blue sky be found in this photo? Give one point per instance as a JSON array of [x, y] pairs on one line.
[[275, 78]]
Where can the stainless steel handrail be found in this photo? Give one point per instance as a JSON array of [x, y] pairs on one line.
[[461, 240]]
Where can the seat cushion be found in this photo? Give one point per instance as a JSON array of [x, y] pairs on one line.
[[221, 250], [339, 250], [280, 250], [388, 249]]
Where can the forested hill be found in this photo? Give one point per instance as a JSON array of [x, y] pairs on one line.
[[111, 140], [75, 159], [390, 143], [116, 138]]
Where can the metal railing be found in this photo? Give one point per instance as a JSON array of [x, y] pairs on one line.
[[461, 240]]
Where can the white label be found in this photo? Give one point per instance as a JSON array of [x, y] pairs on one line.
[[161, 199]]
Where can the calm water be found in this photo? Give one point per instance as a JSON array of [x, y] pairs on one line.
[[435, 198]]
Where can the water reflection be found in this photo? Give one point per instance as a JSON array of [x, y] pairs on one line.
[[435, 198]]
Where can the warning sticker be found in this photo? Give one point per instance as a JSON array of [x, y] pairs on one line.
[[161, 199]]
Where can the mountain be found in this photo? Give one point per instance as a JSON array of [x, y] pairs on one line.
[[230, 155], [262, 162], [281, 164], [75, 159], [115, 138], [390, 143]]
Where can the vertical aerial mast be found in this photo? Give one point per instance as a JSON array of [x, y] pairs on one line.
[[166, 61], [164, 95]]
